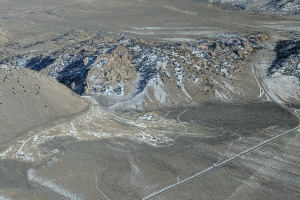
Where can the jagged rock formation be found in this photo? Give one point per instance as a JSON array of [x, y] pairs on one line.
[[287, 60], [277, 7], [137, 74], [113, 74]]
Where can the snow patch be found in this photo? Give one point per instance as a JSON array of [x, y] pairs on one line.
[[33, 177]]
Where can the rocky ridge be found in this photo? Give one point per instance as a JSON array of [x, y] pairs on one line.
[[287, 60], [270, 7], [130, 73]]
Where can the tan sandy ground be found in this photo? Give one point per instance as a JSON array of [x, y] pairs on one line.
[[29, 100], [120, 168]]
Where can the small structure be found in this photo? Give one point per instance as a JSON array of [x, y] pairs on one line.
[[147, 117]]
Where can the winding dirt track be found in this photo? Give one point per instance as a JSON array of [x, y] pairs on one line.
[[216, 166]]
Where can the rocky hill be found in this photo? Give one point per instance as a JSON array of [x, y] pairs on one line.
[[137, 74], [283, 75], [272, 7], [29, 99], [287, 60]]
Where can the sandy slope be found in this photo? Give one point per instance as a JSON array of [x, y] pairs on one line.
[[28, 100]]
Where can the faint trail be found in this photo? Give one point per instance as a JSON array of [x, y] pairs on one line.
[[230, 147], [22, 17], [58, 13], [71, 175], [170, 8], [92, 6], [255, 74], [118, 150], [167, 114], [24, 142], [178, 118], [98, 189]]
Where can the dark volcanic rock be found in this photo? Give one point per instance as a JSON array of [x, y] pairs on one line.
[[287, 60], [127, 68]]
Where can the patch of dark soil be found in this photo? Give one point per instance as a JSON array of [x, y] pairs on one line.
[[244, 119]]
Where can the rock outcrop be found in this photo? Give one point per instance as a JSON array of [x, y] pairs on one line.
[[136, 74], [270, 7], [287, 60]]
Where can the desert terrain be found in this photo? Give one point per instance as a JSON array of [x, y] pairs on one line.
[[138, 99]]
